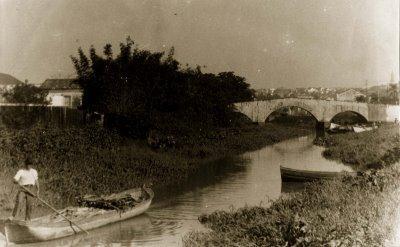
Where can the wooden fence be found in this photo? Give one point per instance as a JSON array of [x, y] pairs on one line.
[[22, 116]]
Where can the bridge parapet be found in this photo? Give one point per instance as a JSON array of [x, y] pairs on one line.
[[322, 110]]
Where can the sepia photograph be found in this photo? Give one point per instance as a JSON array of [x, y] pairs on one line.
[[196, 123]]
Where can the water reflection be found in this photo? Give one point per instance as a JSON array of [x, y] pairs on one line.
[[250, 179]]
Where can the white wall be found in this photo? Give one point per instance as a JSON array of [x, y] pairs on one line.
[[60, 97]]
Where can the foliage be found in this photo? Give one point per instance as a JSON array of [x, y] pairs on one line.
[[20, 117], [361, 98], [374, 98], [266, 96], [348, 211], [26, 94], [393, 93], [343, 212], [91, 160], [370, 149], [390, 96], [26, 116], [138, 87]]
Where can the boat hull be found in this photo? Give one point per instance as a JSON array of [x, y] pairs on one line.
[[28, 232], [289, 174]]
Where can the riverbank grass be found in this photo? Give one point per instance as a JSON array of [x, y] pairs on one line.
[[371, 149], [78, 161], [347, 211]]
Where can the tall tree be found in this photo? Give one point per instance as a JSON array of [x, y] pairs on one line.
[[139, 86]]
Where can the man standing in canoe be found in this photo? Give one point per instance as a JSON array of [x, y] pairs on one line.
[[28, 178]]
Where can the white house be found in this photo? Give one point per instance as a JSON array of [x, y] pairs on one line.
[[349, 95], [63, 92]]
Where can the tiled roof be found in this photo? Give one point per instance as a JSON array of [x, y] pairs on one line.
[[60, 84]]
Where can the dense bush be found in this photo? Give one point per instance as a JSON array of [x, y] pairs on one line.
[[21, 117], [137, 88], [24, 117], [27, 94]]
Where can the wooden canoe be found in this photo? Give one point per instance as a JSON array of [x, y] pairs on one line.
[[52, 227], [290, 174]]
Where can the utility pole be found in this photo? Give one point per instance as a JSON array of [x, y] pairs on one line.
[[379, 100], [366, 91], [387, 90]]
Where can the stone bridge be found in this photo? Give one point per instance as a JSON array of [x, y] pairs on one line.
[[322, 110]]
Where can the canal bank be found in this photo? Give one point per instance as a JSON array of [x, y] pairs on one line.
[[252, 179], [361, 211], [78, 161]]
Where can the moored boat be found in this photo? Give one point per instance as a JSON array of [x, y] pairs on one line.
[[53, 226], [359, 129], [290, 174], [336, 128]]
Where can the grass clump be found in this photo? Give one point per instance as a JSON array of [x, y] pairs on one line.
[[370, 149]]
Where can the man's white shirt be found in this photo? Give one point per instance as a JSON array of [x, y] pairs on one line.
[[26, 177]]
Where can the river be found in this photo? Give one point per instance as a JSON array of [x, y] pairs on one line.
[[249, 179]]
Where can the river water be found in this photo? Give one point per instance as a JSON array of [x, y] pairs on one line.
[[249, 179]]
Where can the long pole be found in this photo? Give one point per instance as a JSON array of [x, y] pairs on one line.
[[52, 208]]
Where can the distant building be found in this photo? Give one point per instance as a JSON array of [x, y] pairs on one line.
[[349, 95], [63, 92], [312, 90]]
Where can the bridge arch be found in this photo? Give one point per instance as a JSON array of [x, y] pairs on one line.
[[289, 107], [276, 105], [347, 114], [322, 110]]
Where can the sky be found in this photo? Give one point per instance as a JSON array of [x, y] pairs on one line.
[[272, 43]]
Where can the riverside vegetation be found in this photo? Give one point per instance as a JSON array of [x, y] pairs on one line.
[[75, 161], [347, 211], [186, 115], [370, 149]]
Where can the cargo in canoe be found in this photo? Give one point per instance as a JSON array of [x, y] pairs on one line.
[[53, 226], [290, 174]]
